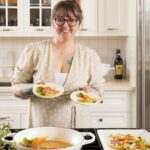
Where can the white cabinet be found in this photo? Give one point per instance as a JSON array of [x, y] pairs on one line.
[[13, 110], [110, 120], [37, 14], [90, 16], [114, 112], [11, 20], [32, 17], [113, 16], [25, 18]]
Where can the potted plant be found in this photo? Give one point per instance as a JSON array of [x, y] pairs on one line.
[[4, 130]]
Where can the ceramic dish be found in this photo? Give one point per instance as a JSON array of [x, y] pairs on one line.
[[48, 90], [71, 136], [105, 135], [85, 98]]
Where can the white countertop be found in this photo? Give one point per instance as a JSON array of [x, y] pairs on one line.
[[110, 85], [5, 79], [119, 85]]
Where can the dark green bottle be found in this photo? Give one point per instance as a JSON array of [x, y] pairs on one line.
[[118, 65]]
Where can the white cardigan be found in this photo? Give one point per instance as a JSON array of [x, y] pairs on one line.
[[36, 63]]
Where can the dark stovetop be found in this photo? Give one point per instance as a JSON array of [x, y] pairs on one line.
[[96, 145]]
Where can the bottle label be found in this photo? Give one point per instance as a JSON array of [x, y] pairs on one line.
[[119, 69]]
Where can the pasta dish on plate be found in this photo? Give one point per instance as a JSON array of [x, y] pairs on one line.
[[87, 98], [46, 91], [128, 142]]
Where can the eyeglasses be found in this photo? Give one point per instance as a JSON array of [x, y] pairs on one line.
[[71, 22]]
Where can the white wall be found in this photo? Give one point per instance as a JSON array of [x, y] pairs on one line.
[[11, 48]]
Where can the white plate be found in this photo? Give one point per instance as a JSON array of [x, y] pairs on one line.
[[52, 85], [76, 98], [104, 135]]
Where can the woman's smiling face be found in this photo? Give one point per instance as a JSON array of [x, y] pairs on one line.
[[66, 19], [65, 26]]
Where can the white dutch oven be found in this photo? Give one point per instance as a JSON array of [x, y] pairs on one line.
[[72, 136]]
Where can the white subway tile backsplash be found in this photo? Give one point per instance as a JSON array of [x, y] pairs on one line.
[[8, 53], [12, 53], [102, 43], [1, 62], [1, 43], [93, 43], [9, 62], [18, 52], [8, 72], [1, 52], [11, 48], [1, 55], [1, 72], [12, 43]]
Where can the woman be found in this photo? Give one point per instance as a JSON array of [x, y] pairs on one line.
[[59, 60]]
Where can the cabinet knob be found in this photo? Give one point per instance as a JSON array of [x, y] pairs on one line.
[[101, 119]]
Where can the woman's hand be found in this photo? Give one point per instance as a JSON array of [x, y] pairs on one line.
[[89, 88], [40, 82]]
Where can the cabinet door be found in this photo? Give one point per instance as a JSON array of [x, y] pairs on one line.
[[37, 15], [13, 110], [89, 9], [11, 13], [10, 117], [114, 101], [113, 16]]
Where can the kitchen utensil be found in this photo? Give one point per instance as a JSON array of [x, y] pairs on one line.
[[69, 135]]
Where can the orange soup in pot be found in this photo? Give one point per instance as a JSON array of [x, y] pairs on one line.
[[44, 143]]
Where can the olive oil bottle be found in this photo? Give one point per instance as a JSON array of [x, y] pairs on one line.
[[118, 65]]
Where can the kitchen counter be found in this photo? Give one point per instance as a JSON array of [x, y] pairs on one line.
[[110, 85], [119, 85]]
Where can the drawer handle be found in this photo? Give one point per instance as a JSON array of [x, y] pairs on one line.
[[6, 29], [111, 29], [101, 120], [83, 29], [39, 29], [4, 118]]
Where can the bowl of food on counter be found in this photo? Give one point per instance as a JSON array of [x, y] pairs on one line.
[[105, 69]]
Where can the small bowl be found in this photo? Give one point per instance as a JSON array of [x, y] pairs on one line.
[[105, 69]]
